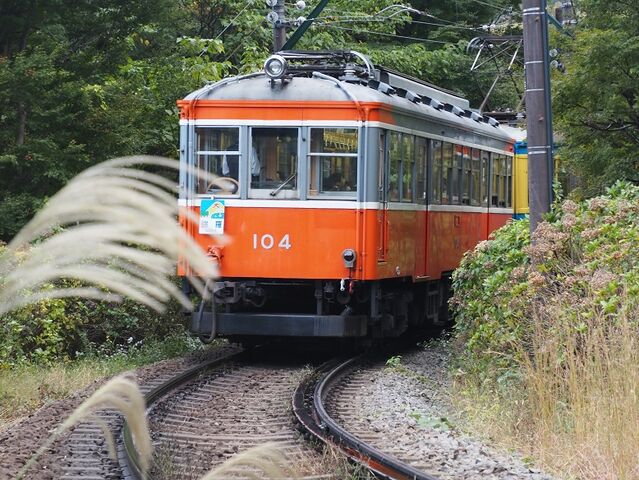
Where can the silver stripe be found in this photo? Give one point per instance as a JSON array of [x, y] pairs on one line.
[[345, 205]]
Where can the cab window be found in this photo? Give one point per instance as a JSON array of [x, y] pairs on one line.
[[218, 153], [273, 159]]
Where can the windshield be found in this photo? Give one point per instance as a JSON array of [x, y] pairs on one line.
[[273, 159]]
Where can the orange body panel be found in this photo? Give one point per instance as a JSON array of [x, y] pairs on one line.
[[419, 244], [316, 239], [279, 110]]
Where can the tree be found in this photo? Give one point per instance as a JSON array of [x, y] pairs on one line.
[[596, 100]]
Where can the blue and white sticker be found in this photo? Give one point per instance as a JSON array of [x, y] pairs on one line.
[[212, 217]]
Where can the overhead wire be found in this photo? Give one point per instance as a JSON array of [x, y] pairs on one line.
[[492, 5], [363, 20], [370, 32], [248, 4]]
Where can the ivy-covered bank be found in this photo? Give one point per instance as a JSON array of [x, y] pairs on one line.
[[547, 337]]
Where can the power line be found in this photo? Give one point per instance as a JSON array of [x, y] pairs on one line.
[[248, 4], [370, 20], [385, 34], [228, 57]]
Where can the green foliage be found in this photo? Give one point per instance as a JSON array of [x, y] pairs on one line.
[[584, 266], [60, 329], [485, 321], [596, 99], [394, 361], [81, 82]]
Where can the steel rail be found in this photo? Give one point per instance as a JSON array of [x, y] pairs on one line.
[[130, 456], [315, 419]]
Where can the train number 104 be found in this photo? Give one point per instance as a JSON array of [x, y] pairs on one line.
[[267, 241]]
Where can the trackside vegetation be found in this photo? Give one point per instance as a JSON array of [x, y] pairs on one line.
[[548, 340]]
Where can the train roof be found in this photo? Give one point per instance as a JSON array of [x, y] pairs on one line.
[[405, 95]]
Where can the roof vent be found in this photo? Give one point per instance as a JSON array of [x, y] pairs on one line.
[[436, 104], [454, 109], [492, 122], [381, 87], [473, 115], [408, 95]]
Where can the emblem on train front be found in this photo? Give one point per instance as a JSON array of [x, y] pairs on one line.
[[212, 216]]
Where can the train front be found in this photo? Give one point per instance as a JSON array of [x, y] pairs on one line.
[[285, 155]]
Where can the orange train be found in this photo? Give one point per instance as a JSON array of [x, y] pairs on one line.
[[347, 192]]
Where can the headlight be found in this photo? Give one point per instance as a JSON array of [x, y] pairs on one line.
[[275, 66], [349, 256]]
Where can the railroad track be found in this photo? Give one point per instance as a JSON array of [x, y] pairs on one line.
[[84, 453], [323, 405], [208, 414]]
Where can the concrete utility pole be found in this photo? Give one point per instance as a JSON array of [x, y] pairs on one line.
[[279, 27], [538, 109]]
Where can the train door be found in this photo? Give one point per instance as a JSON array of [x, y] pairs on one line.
[[382, 197], [421, 188]]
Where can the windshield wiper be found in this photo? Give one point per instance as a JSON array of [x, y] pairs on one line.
[[282, 185]]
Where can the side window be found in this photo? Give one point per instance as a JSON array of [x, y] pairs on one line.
[[218, 152], [447, 173], [475, 178], [381, 166], [394, 167], [485, 159], [494, 182], [466, 177], [421, 152], [502, 181], [457, 175], [408, 167], [333, 161], [499, 181], [436, 173], [273, 160]]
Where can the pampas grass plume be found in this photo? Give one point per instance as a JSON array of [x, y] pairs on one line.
[[122, 394], [114, 229]]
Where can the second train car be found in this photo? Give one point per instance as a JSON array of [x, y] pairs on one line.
[[350, 194]]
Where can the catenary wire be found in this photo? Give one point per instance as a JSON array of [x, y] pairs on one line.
[[386, 34], [248, 4]]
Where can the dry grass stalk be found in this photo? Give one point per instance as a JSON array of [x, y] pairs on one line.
[[262, 461], [122, 394], [112, 227], [584, 395]]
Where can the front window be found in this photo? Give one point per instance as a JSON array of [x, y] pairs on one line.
[[273, 162], [333, 161], [218, 153]]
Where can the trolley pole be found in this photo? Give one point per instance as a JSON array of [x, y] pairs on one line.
[[279, 27], [538, 109]]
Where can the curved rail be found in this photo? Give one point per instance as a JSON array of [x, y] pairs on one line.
[[131, 456], [315, 419]]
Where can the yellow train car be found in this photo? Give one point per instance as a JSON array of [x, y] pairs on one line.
[[520, 180]]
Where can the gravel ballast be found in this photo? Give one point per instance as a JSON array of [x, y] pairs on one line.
[[408, 411]]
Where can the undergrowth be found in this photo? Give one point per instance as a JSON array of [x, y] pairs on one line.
[[28, 386], [547, 337]]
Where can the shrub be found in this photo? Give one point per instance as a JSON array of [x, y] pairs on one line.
[[62, 328], [548, 333], [583, 264]]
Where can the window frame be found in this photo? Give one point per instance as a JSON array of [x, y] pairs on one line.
[[327, 195], [435, 171], [211, 153], [284, 193]]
